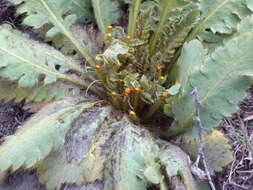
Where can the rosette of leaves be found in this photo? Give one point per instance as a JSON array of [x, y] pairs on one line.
[[152, 65]]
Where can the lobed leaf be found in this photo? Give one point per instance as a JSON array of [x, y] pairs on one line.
[[136, 160], [59, 13], [40, 135], [220, 17], [37, 93], [80, 159], [29, 61], [176, 38], [82, 9], [165, 9], [84, 33], [219, 79], [106, 13], [176, 163], [125, 160], [217, 150]]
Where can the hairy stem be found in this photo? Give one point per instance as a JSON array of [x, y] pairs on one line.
[[133, 13], [164, 16], [156, 106], [99, 18]]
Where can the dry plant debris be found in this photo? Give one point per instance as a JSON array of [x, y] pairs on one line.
[[239, 129]]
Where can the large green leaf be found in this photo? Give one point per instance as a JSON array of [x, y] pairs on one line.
[[137, 160], [80, 159], [82, 9], [106, 13], [219, 79], [220, 17], [30, 62], [126, 162], [40, 135], [176, 163], [84, 33], [60, 13], [217, 150], [39, 92]]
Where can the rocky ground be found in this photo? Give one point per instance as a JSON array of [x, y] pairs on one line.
[[239, 129]]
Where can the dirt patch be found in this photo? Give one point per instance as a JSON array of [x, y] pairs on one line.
[[12, 115], [7, 14], [22, 180]]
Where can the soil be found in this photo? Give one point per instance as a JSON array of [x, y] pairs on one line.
[[7, 14], [239, 129], [12, 115]]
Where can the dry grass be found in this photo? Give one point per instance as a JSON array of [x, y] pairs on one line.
[[239, 129]]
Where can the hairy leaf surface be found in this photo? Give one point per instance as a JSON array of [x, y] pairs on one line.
[[78, 161], [175, 39], [220, 17], [217, 150], [219, 80], [39, 92], [165, 9], [29, 61], [59, 13], [82, 9], [136, 161], [84, 33], [40, 135], [126, 161], [106, 13]]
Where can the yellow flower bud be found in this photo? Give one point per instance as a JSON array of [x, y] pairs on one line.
[[109, 27]]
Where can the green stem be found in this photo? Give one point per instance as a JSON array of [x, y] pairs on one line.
[[82, 50], [152, 110], [164, 16], [99, 17], [133, 13], [136, 101]]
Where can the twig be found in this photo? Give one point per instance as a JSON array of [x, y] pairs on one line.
[[201, 148]]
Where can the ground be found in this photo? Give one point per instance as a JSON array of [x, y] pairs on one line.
[[238, 128]]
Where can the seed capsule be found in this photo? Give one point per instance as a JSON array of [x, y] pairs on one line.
[[138, 90], [161, 78], [133, 116], [132, 113], [109, 35], [158, 67], [98, 68], [109, 27], [127, 90], [164, 95], [128, 37]]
